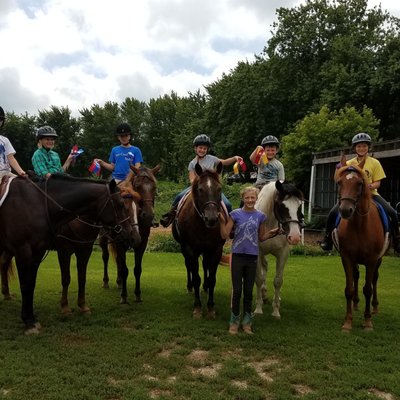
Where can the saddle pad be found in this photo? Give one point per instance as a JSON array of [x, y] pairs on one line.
[[5, 187]]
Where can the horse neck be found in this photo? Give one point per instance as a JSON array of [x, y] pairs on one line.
[[265, 203]]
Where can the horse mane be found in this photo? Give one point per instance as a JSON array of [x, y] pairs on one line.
[[346, 168], [69, 178], [265, 201]]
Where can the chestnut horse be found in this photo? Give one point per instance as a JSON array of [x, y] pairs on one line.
[[196, 229], [359, 238], [281, 203], [32, 214], [142, 185]]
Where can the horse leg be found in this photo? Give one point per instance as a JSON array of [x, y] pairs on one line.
[[138, 267], [27, 272], [105, 255], [189, 281], [349, 293], [262, 266], [122, 271], [375, 301], [192, 266], [6, 272], [210, 266], [356, 278], [278, 281], [64, 260], [370, 273], [82, 259]]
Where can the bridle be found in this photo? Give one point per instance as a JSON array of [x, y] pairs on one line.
[[200, 210], [283, 224]]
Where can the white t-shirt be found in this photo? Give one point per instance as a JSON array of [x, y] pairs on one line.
[[6, 149]]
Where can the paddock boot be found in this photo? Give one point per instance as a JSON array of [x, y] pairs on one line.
[[247, 323], [167, 219], [327, 242], [234, 324]]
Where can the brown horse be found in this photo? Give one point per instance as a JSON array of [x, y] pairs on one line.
[[196, 229], [359, 238], [142, 185], [33, 213]]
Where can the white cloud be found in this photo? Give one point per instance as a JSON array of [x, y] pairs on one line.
[[77, 53]]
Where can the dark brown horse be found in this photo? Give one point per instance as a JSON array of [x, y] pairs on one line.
[[33, 213], [196, 229], [142, 185], [360, 239]]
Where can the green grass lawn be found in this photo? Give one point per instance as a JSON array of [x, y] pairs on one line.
[[156, 350]]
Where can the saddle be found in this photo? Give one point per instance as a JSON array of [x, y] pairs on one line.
[[4, 187]]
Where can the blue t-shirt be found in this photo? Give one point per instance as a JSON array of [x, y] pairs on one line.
[[122, 158], [247, 224]]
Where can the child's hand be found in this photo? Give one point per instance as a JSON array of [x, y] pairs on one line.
[[273, 232]]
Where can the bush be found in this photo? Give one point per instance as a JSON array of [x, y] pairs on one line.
[[163, 243]]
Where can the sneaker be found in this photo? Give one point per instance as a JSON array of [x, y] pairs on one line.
[[247, 329], [233, 329]]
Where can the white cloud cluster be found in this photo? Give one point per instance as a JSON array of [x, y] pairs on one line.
[[77, 53]]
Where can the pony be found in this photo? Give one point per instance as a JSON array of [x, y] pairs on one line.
[[32, 213], [142, 185], [196, 228], [359, 238], [281, 203]]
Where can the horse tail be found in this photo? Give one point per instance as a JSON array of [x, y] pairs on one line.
[[10, 268], [112, 248]]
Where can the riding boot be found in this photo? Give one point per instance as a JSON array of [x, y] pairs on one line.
[[234, 324], [247, 323], [168, 218], [154, 223], [327, 242]]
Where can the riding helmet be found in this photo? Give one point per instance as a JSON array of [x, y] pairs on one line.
[[202, 140], [270, 140], [2, 114], [361, 138], [123, 129], [46, 131]]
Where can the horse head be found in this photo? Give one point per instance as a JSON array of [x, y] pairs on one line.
[[206, 194], [142, 184], [353, 189], [287, 210]]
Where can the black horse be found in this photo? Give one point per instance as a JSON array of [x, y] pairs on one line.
[[33, 213], [196, 229], [142, 185]]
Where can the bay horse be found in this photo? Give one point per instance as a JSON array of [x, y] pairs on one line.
[[196, 229], [142, 185], [359, 238], [32, 214], [281, 203]]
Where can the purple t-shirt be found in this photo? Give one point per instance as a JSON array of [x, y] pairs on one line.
[[247, 224]]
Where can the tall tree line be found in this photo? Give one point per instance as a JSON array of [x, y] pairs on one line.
[[330, 70]]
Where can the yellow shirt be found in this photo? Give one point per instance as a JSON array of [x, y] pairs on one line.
[[372, 168]]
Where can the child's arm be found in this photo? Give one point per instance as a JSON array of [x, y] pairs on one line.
[[106, 165], [263, 234], [225, 226], [15, 165], [231, 160]]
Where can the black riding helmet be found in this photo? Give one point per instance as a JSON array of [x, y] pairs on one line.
[[46, 131], [270, 140], [123, 129], [202, 140], [2, 117]]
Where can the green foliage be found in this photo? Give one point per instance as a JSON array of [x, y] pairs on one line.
[[319, 131], [163, 243]]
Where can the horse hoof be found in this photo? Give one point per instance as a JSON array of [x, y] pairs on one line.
[[211, 314], [368, 326], [346, 327], [197, 314], [123, 301], [66, 311], [105, 286], [375, 310], [276, 314], [85, 310], [138, 300], [258, 311], [32, 331]]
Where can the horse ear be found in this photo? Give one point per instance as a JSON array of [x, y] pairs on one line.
[[112, 185], [198, 169], [156, 169], [343, 160], [362, 163], [219, 167], [279, 186]]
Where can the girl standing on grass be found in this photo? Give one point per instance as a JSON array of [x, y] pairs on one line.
[[249, 229]]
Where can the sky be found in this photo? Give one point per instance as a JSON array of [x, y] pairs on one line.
[[78, 53]]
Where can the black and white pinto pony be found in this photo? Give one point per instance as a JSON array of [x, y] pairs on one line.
[[281, 203]]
